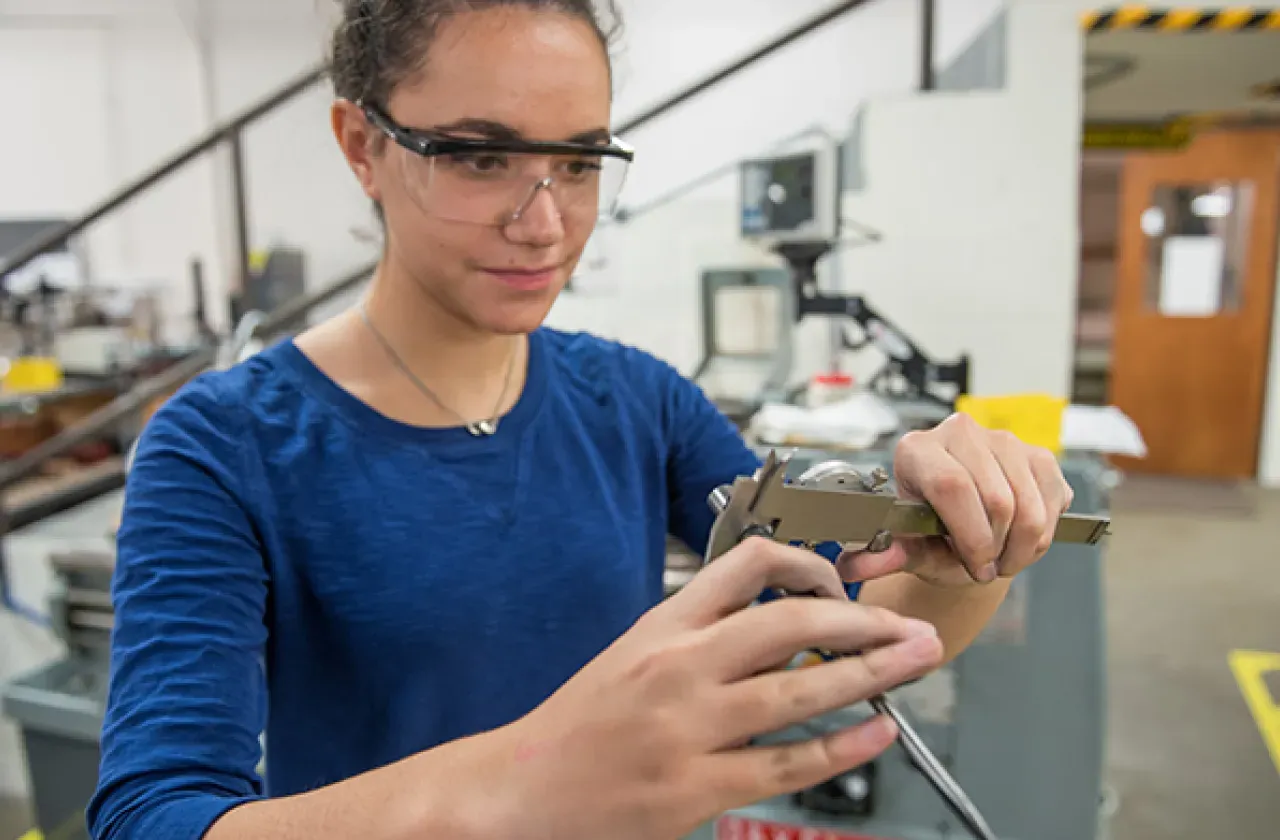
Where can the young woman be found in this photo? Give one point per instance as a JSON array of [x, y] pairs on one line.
[[422, 544]]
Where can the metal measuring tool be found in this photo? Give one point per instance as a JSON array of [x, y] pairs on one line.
[[833, 502]]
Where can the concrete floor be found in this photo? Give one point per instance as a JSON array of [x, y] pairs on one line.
[[15, 818], [1184, 588]]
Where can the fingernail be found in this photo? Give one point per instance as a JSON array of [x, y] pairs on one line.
[[922, 650], [915, 627], [880, 729], [989, 573], [876, 733]]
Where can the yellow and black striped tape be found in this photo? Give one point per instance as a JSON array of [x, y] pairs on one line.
[[1146, 18]]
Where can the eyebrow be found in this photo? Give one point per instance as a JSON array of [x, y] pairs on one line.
[[491, 130]]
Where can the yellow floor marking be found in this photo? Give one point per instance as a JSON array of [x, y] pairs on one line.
[[1250, 668], [33, 834]]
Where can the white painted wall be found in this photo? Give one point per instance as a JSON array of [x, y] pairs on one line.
[[654, 264], [976, 196], [1269, 460], [98, 92]]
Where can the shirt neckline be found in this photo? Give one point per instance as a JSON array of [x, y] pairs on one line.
[[365, 417]]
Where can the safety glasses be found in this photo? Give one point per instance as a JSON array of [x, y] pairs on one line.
[[495, 181]]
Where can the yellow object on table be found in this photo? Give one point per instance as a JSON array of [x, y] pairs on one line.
[[33, 375], [1035, 418]]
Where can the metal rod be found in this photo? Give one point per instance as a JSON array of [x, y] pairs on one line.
[[203, 328], [301, 306], [59, 237], [104, 418], [786, 39], [928, 26], [240, 223], [127, 405], [97, 483], [923, 759]]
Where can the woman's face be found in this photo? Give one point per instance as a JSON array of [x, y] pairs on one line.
[[504, 72]]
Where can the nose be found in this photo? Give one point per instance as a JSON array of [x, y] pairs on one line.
[[537, 222]]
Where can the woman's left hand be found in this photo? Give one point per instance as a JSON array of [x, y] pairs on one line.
[[1000, 499]]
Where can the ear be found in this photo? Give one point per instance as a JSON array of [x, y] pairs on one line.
[[362, 145]]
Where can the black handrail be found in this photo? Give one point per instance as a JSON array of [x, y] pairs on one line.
[[227, 131], [784, 40], [127, 405], [230, 130], [928, 27]]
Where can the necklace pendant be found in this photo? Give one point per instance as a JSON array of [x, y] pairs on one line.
[[482, 428]]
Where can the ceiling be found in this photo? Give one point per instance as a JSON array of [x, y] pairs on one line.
[[1133, 76]]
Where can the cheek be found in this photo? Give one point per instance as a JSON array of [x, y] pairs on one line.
[[577, 236], [434, 249]]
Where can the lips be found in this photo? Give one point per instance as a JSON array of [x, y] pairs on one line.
[[525, 279]]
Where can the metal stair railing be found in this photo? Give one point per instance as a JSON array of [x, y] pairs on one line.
[[231, 132], [130, 404]]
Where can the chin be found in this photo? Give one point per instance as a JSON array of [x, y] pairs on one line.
[[516, 318]]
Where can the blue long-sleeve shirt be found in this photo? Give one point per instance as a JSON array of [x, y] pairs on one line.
[[292, 561]]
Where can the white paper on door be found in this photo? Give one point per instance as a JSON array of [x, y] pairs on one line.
[[1191, 276]]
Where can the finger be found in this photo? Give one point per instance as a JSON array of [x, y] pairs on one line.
[[860, 566], [934, 557], [749, 641], [1030, 524], [772, 702], [950, 488], [750, 775], [738, 578], [1055, 490], [974, 450]]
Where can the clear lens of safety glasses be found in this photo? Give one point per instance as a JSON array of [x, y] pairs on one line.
[[499, 187]]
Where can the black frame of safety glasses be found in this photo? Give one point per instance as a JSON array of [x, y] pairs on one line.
[[426, 145]]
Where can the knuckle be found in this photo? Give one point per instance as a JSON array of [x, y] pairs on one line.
[[790, 768], [875, 668], [665, 670], [762, 554], [1005, 438], [1042, 457], [751, 709], [755, 551], [911, 441], [1031, 522], [1002, 505], [797, 697], [877, 621], [757, 546], [947, 483]]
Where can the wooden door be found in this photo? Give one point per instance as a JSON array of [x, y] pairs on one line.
[[1195, 281]]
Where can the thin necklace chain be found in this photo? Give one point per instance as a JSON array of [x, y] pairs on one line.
[[478, 428]]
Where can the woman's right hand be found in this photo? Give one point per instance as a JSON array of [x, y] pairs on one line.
[[651, 739]]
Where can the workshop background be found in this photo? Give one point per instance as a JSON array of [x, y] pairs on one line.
[[1042, 197]]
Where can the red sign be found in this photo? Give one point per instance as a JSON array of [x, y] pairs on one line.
[[741, 828]]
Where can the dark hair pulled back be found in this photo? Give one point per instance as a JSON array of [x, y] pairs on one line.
[[380, 43]]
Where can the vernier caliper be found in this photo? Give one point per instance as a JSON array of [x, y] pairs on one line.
[[833, 502]]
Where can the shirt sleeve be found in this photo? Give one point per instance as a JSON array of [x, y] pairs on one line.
[[706, 451], [186, 701]]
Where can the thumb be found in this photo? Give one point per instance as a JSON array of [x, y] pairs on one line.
[[861, 565]]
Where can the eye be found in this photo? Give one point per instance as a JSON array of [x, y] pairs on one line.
[[582, 167], [483, 164]]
